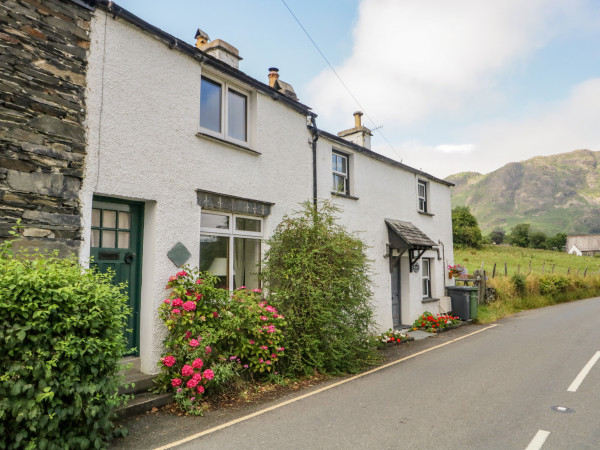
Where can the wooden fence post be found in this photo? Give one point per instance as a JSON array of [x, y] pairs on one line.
[[585, 272], [543, 267], [529, 267], [553, 267], [494, 271], [568, 270], [505, 270], [518, 268]]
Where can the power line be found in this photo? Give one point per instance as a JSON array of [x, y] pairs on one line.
[[340, 79]]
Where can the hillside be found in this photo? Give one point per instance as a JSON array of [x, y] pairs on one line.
[[557, 193]]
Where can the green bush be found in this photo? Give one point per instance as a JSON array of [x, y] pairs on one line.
[[519, 282], [61, 338], [317, 274], [552, 285]]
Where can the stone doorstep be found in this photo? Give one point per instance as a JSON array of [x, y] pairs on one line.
[[144, 402], [136, 364], [138, 384]]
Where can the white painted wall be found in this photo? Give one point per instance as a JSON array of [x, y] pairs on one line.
[[143, 116], [385, 191]]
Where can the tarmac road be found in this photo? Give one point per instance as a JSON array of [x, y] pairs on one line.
[[494, 389]]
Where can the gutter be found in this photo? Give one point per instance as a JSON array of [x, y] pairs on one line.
[[173, 43], [382, 158], [311, 124]]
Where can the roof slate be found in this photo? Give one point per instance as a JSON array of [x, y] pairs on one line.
[[409, 233]]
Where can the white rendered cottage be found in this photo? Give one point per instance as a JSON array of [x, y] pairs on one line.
[[402, 213], [185, 164]]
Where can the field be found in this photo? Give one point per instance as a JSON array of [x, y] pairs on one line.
[[518, 259]]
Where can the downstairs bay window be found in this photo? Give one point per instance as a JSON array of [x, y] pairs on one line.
[[230, 249]]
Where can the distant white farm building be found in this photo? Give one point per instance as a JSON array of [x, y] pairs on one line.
[[588, 245]]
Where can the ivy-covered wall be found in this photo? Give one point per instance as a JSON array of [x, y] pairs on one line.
[[43, 63]]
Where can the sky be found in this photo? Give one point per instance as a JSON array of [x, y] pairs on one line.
[[446, 86]]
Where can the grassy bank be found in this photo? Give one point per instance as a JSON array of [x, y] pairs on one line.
[[520, 292], [517, 259]]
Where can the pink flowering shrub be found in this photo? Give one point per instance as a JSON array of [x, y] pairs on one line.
[[256, 331], [214, 335]]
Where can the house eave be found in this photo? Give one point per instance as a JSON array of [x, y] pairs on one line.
[[392, 162], [174, 43]]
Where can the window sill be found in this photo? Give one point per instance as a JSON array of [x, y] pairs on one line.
[[337, 194], [425, 213], [430, 300], [226, 142]]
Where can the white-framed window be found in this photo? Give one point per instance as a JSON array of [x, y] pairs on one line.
[[422, 196], [426, 277], [340, 164], [230, 248], [223, 110]]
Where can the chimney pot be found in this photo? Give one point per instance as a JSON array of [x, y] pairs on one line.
[[357, 119], [273, 75], [201, 38]]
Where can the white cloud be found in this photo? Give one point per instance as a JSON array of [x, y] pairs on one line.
[[412, 58], [454, 148], [570, 124]]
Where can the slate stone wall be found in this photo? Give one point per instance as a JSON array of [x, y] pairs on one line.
[[43, 53]]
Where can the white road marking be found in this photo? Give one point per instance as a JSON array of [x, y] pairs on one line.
[[318, 391], [538, 440], [579, 379]]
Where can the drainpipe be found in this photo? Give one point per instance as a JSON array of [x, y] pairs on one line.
[[443, 259], [311, 124]]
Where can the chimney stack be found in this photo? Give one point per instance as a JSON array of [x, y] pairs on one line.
[[219, 49], [360, 134], [357, 119], [279, 85], [273, 76]]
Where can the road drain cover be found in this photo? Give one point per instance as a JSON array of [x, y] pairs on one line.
[[562, 409]]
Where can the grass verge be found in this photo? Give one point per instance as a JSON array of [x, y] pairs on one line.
[[539, 291]]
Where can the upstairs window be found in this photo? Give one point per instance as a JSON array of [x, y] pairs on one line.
[[223, 111], [422, 196], [341, 179]]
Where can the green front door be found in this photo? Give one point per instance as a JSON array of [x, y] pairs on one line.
[[116, 245]]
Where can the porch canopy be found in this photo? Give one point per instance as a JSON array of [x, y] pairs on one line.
[[405, 236]]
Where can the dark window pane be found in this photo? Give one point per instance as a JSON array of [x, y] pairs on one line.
[[210, 105], [214, 257], [236, 115], [208, 220], [243, 224]]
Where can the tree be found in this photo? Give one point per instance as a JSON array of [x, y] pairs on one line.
[[465, 229], [519, 235], [557, 242], [317, 275], [497, 236], [537, 239]]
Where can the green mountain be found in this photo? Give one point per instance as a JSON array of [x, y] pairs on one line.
[[557, 193]]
